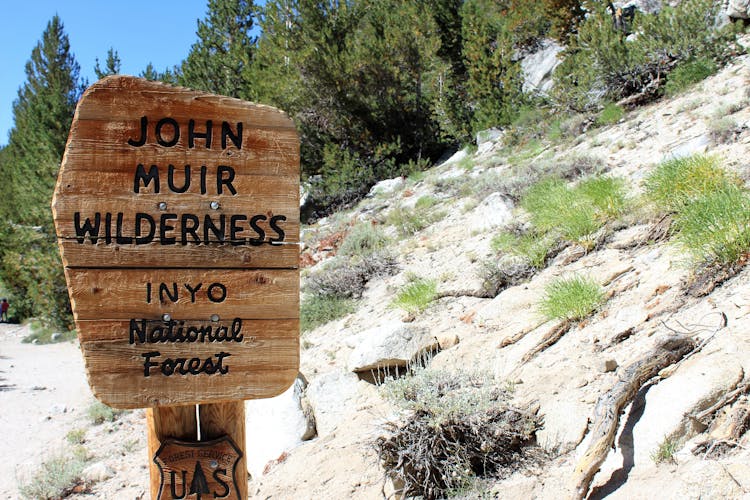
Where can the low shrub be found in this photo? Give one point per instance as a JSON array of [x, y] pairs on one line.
[[416, 296], [689, 73], [316, 310], [346, 277], [42, 333], [55, 478], [363, 239], [457, 427], [497, 276], [676, 182], [571, 298], [722, 130], [409, 221], [99, 413]]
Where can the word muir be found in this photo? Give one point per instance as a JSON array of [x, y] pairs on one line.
[[177, 217]]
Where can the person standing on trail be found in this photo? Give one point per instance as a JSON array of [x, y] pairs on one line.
[[4, 311]]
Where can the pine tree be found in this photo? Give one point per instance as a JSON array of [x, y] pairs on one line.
[[217, 62], [30, 263], [112, 65]]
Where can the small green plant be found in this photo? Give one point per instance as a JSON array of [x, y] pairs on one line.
[[409, 222], [665, 451], [715, 228], [56, 475], [425, 202], [416, 296], [76, 436], [42, 333], [676, 182], [531, 247], [611, 114], [571, 298], [316, 310], [574, 214], [688, 74], [363, 239], [721, 130], [99, 413]]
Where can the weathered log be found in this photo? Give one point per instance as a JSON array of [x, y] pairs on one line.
[[549, 339], [609, 406]]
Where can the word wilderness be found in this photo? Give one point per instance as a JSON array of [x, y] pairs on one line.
[[177, 217]]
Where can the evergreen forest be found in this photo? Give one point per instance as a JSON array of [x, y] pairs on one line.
[[377, 89]]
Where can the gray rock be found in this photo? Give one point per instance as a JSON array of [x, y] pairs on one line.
[[738, 9], [537, 68], [275, 425], [565, 423], [386, 187], [645, 6], [693, 387], [56, 336], [608, 365], [693, 146], [489, 135], [97, 472], [391, 344], [332, 396], [494, 211]]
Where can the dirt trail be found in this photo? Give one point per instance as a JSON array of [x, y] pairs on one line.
[[43, 394]]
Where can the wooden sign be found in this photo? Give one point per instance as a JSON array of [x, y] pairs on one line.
[[198, 470], [177, 216]]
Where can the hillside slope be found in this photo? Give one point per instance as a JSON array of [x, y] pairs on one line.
[[650, 292]]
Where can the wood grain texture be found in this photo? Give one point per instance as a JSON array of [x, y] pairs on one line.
[[227, 419], [106, 294], [127, 132], [154, 255], [609, 406], [173, 422]]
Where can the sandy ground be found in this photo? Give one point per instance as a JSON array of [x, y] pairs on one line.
[[43, 394]]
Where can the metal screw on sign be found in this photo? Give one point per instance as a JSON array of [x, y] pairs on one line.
[[214, 205], [166, 317], [214, 318], [162, 205]]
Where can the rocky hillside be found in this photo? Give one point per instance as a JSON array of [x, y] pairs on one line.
[[658, 367], [507, 324]]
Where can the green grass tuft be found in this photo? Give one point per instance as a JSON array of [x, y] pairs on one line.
[[317, 310], [676, 182], [665, 451], [416, 296], [531, 247], [715, 228], [571, 298], [611, 114]]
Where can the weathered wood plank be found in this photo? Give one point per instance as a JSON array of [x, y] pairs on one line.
[[173, 422], [138, 293], [154, 255], [227, 419]]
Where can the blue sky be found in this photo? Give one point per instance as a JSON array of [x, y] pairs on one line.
[[157, 31]]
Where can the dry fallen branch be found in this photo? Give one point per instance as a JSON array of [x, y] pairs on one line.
[[549, 339], [609, 406]]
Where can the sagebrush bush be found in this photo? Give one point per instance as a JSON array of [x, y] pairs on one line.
[[457, 426], [678, 181], [346, 277], [409, 221], [316, 310], [363, 239], [571, 298], [497, 276], [99, 413], [54, 478], [715, 228]]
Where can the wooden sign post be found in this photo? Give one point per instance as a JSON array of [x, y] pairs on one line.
[[177, 217]]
